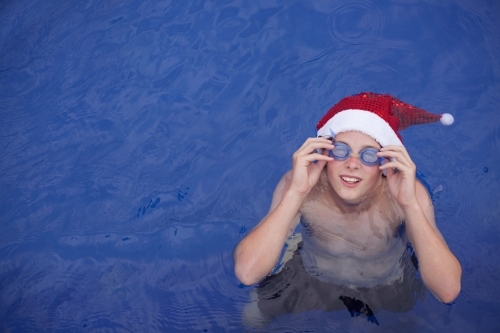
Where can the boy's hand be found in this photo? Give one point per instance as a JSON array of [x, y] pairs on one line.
[[401, 181], [305, 172]]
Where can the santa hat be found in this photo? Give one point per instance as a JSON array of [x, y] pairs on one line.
[[376, 115]]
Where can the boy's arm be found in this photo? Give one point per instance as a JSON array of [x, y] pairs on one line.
[[257, 254], [439, 268]]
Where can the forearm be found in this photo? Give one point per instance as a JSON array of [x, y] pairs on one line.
[[257, 254], [439, 268]]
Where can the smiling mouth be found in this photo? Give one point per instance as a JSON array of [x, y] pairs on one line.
[[350, 180]]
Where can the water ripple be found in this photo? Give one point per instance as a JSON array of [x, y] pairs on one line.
[[218, 67], [129, 283], [356, 22]]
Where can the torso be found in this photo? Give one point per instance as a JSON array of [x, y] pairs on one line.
[[359, 249]]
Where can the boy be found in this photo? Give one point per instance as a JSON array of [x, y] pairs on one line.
[[355, 190]]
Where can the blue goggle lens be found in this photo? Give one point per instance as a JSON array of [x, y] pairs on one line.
[[368, 156]]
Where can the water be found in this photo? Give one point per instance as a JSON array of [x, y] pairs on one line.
[[141, 140]]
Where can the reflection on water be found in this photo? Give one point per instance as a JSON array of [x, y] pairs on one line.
[[357, 308], [140, 140]]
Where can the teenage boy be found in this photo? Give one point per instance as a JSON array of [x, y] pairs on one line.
[[354, 189]]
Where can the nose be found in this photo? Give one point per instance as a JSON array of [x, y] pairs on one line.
[[352, 162]]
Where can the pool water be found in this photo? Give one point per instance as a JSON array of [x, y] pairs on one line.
[[141, 140]]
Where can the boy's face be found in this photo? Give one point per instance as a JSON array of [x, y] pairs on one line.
[[352, 180]]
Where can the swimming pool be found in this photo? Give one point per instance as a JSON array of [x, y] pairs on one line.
[[141, 140]]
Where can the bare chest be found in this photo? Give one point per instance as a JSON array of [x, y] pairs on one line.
[[368, 235]]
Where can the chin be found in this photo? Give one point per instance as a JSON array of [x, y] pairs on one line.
[[354, 196]]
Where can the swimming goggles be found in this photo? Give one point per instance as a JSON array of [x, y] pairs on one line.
[[368, 156]]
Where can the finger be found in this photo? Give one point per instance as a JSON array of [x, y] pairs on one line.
[[396, 167], [400, 149], [395, 164], [391, 168], [392, 147], [389, 172], [316, 157], [310, 147], [391, 152], [318, 139], [396, 156], [320, 164]]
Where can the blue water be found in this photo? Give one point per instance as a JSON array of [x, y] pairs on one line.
[[141, 140]]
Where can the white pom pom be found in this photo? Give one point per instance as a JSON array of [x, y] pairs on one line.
[[447, 119]]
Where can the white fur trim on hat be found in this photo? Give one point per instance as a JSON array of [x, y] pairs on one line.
[[362, 121]]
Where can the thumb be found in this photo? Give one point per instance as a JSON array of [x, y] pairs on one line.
[[389, 173], [318, 167]]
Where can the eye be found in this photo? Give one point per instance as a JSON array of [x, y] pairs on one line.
[[370, 155], [340, 150]]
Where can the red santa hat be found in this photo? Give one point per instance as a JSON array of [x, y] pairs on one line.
[[376, 115]]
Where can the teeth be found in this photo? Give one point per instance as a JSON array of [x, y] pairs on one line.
[[350, 180]]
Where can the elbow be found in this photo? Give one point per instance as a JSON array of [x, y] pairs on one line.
[[452, 288], [450, 294], [445, 285], [246, 280], [244, 275], [246, 270]]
